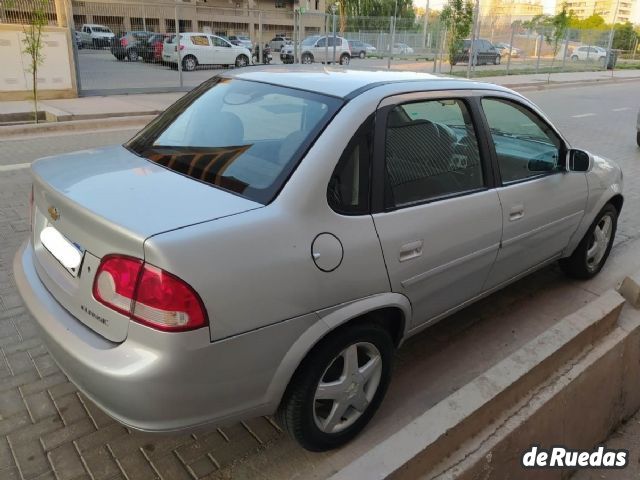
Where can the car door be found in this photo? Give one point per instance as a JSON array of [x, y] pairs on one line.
[[223, 54], [435, 209], [542, 202], [199, 46], [320, 50]]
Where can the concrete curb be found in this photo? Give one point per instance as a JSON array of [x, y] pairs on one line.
[[527, 87], [112, 122], [440, 432]]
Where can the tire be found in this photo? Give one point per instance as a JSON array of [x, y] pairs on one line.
[[307, 59], [306, 418], [362, 55], [345, 59], [189, 63], [574, 58], [132, 55], [589, 257], [496, 60], [638, 138], [242, 61]]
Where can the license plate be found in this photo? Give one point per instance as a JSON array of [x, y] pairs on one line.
[[67, 253]]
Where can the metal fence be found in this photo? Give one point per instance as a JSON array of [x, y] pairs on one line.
[[375, 42]]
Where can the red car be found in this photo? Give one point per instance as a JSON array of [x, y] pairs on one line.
[[153, 53]]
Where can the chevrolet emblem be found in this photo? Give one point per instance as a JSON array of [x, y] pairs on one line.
[[53, 213]]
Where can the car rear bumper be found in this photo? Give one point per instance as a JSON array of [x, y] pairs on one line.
[[160, 382]]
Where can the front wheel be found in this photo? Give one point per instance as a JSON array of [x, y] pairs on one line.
[[189, 63], [593, 250], [496, 61], [345, 59], [362, 55], [132, 55], [306, 59], [574, 58], [338, 387], [242, 61]]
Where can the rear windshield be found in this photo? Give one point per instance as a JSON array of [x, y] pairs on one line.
[[241, 136]]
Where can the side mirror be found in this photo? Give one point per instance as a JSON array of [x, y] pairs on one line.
[[579, 161]]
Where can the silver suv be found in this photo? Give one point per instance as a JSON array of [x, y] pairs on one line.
[[212, 269]]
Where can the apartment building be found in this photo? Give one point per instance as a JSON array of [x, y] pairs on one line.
[[605, 8], [222, 17], [505, 12]]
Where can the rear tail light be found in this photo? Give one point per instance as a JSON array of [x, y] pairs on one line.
[[123, 42], [148, 295]]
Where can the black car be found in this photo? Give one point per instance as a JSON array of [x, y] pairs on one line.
[[131, 45], [483, 53]]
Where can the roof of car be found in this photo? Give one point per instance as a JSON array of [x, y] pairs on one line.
[[346, 83]]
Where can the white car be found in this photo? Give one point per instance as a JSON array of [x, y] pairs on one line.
[[318, 49], [96, 35], [401, 49], [242, 40], [590, 53], [204, 49]]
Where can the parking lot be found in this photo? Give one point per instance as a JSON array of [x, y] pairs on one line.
[[49, 430], [99, 70]]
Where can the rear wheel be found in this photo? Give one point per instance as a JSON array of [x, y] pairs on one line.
[[574, 58], [189, 63], [593, 250], [242, 61], [345, 59], [496, 60], [362, 54], [338, 387], [132, 55]]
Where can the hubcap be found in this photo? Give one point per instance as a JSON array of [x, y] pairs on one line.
[[190, 64], [347, 387], [241, 62], [306, 59], [599, 242]]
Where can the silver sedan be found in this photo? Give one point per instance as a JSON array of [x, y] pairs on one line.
[[267, 243]]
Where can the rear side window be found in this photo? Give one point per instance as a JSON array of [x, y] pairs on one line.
[[200, 40], [245, 137], [431, 151], [348, 190]]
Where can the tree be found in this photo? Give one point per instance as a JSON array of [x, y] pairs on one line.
[[457, 16], [624, 36], [556, 32], [33, 43]]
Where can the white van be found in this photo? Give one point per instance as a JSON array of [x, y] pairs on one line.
[[204, 49]]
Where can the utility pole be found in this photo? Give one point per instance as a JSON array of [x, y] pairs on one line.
[[179, 50], [613, 24], [426, 24], [393, 34], [476, 14], [333, 27]]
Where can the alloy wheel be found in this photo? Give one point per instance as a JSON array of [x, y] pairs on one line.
[[599, 242], [347, 387]]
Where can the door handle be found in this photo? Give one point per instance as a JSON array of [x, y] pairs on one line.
[[410, 250], [516, 212]]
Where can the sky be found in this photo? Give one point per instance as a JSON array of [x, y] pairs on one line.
[[547, 5]]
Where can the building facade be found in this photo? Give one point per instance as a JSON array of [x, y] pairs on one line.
[[605, 8], [505, 12]]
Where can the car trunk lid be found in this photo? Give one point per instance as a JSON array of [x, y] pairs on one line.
[[106, 201]]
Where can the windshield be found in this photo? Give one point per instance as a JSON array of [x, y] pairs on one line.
[[101, 29], [310, 40], [244, 137]]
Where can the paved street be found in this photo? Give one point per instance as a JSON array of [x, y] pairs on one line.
[[49, 430]]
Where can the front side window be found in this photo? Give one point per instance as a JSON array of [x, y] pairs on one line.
[[219, 42], [525, 145], [431, 151], [244, 137]]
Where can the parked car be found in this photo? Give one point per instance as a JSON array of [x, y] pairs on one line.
[[131, 45], [152, 52], [242, 40], [638, 129], [589, 53], [278, 41], [401, 49], [203, 49], [361, 49], [96, 36], [483, 52], [318, 48], [505, 50], [237, 270]]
